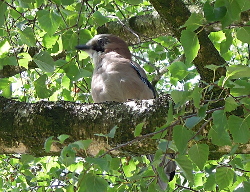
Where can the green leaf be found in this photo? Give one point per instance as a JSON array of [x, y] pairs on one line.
[[198, 153], [199, 179], [243, 34], [92, 183], [224, 177], [181, 136], [48, 143], [129, 168], [218, 132], [202, 111], [1, 182], [4, 47], [58, 2], [85, 73], [68, 155], [69, 188], [212, 67], [232, 14], [239, 129], [219, 138], [138, 129], [25, 4], [134, 2], [44, 61], [236, 163], [246, 186], [49, 41], [23, 59], [217, 37], [210, 184], [192, 121], [72, 72], [178, 70], [5, 87], [3, 8], [170, 113], [62, 138], [179, 97], [25, 158], [227, 43], [49, 21], [244, 5], [39, 3], [41, 87], [12, 61], [240, 87], [115, 163], [111, 134], [214, 14], [83, 144], [164, 145], [67, 2], [101, 162], [234, 9], [27, 37], [194, 21], [196, 95], [186, 166], [69, 40], [238, 71], [230, 104], [86, 36], [190, 43], [99, 18]]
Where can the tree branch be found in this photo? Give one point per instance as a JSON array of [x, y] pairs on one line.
[[24, 127], [28, 125]]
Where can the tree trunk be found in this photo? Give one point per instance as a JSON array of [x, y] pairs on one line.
[[175, 14]]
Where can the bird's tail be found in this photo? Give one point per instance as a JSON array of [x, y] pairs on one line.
[[168, 164]]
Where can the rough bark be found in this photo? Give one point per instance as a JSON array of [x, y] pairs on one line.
[[30, 124], [143, 25], [175, 14], [24, 127]]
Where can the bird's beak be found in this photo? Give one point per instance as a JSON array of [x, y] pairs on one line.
[[83, 47]]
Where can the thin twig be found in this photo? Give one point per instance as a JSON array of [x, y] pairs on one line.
[[188, 188], [160, 131], [64, 20], [11, 6], [126, 27], [201, 128], [141, 138]]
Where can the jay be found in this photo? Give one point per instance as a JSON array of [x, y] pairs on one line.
[[117, 78]]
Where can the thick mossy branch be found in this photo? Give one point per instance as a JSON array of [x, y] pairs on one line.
[[31, 124], [24, 127]]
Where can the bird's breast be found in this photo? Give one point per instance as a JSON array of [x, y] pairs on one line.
[[114, 79]]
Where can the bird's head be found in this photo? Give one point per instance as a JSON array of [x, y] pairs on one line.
[[105, 43]]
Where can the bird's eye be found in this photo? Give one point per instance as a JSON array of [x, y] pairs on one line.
[[101, 42]]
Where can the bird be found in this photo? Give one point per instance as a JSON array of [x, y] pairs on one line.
[[117, 78]]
